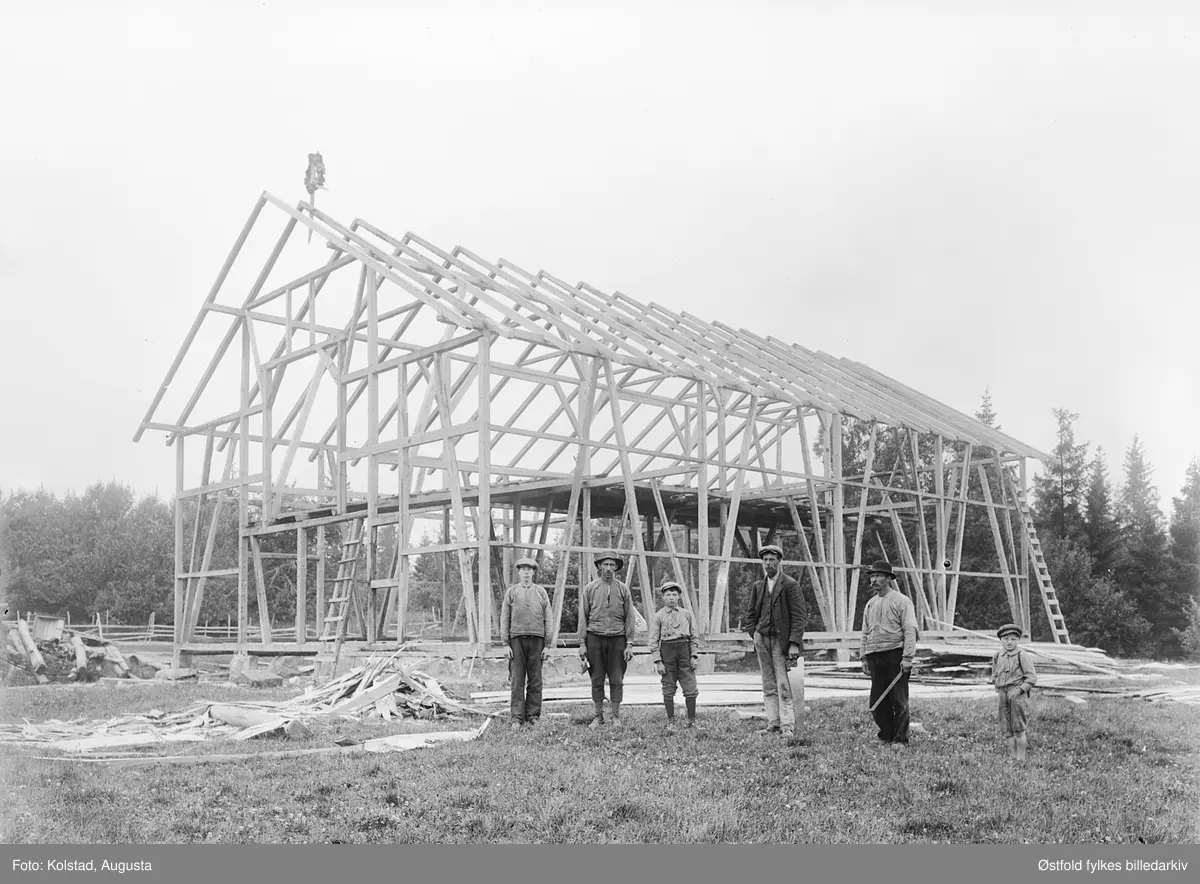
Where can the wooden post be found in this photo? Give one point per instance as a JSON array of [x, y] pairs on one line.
[[837, 540], [447, 622], [484, 528], [301, 586], [404, 522], [702, 534], [940, 528], [264, 615], [958, 538], [243, 608], [855, 574], [181, 583]]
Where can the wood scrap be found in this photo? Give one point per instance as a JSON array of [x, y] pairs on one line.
[[394, 743], [32, 654]]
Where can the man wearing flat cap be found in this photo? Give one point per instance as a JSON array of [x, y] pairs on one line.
[[525, 627], [775, 616], [889, 642], [606, 629]]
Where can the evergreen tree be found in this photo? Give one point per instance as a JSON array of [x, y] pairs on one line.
[[986, 414], [1142, 571], [1184, 558], [1100, 525], [1059, 495]]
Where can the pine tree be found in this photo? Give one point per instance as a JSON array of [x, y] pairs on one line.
[[985, 414], [1100, 525], [1184, 557], [1059, 495], [1142, 571]]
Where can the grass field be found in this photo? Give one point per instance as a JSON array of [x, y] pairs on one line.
[[1108, 771]]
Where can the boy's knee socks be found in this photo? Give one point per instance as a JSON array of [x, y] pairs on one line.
[[669, 703]]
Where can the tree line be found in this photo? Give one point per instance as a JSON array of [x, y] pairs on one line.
[[1127, 579]]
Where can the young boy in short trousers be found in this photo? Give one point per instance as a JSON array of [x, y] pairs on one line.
[[1014, 677], [675, 652]]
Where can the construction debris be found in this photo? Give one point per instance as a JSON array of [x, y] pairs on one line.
[[381, 689], [45, 654]]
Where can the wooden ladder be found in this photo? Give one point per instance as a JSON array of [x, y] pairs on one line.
[[1058, 623], [333, 628]]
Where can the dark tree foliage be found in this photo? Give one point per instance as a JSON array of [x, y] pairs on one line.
[[1101, 531], [1059, 496], [1143, 570], [1184, 559], [1098, 612]]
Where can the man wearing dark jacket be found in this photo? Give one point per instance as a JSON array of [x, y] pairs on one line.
[[775, 617]]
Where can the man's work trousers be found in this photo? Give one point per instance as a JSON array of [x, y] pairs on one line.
[[777, 690], [606, 657], [677, 668], [525, 670], [892, 714]]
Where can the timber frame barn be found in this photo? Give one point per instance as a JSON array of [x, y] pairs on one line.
[[380, 388]]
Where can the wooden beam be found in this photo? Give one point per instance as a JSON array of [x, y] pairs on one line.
[[264, 614], [731, 528], [1001, 555], [483, 532], [630, 493], [958, 537], [442, 394], [852, 601]]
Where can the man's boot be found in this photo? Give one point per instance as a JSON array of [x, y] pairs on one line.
[[599, 719], [616, 710], [669, 703], [691, 710]]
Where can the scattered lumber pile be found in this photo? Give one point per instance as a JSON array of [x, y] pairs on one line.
[[62, 656], [972, 655], [380, 689]]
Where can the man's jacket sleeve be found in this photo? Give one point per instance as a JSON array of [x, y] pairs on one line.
[[506, 617], [799, 614], [630, 617], [748, 608], [549, 615], [583, 615]]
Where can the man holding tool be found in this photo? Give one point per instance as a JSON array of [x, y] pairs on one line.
[[889, 641]]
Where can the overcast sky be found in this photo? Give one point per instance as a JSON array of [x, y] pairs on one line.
[[961, 195]]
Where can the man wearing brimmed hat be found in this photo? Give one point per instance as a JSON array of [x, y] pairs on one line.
[[887, 647], [1014, 677], [775, 616], [526, 624], [606, 628]]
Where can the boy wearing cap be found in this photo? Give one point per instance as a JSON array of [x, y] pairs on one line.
[[775, 616], [606, 628], [525, 627], [674, 651], [1014, 677], [887, 648]]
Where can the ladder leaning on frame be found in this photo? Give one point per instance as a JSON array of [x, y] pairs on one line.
[[333, 627]]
